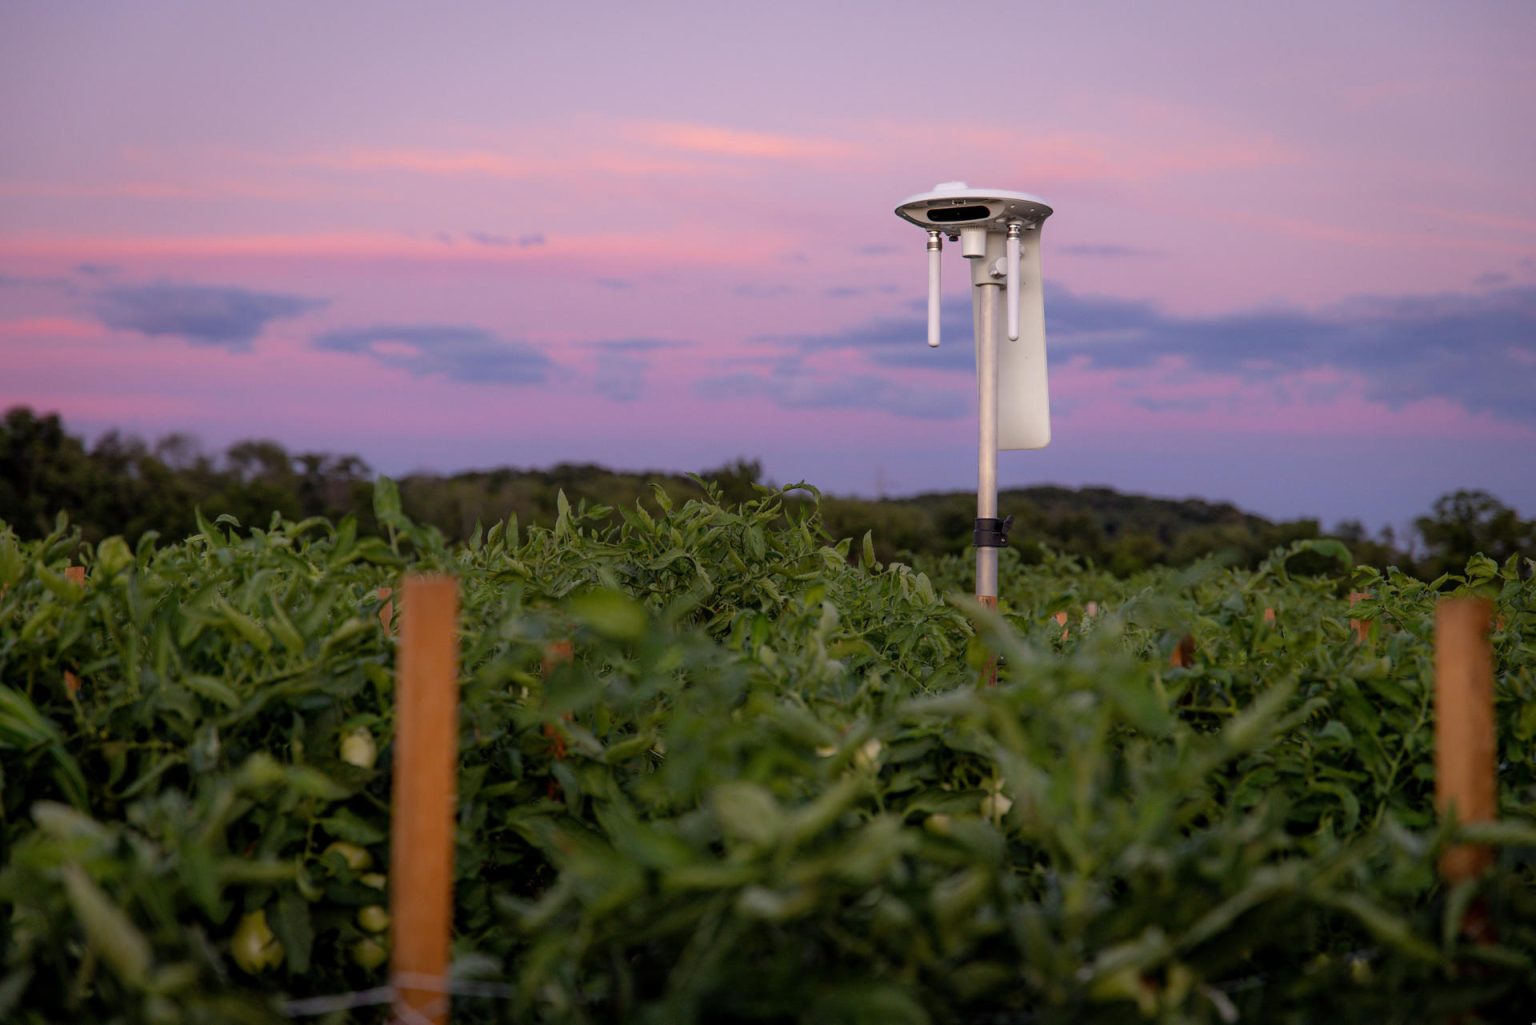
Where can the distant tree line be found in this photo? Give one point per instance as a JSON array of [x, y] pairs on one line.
[[124, 485]]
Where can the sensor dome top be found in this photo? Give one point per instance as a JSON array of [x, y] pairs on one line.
[[951, 206]]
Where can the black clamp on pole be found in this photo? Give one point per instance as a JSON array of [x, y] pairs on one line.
[[992, 533]]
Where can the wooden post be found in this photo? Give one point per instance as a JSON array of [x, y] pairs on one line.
[[421, 828], [1183, 655], [1465, 746], [387, 610], [76, 576], [1361, 627], [556, 653]]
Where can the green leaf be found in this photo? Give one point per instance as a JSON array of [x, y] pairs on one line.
[[113, 556], [65, 823], [1500, 833], [1384, 926], [867, 1003], [1255, 725], [344, 824], [291, 924], [386, 500], [314, 783], [249, 630], [60, 586], [213, 689], [12, 562], [810, 819], [1481, 568], [1457, 901], [611, 613], [108, 931], [747, 812], [562, 514], [21, 724]]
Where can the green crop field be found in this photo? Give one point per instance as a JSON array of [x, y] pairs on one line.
[[766, 786]]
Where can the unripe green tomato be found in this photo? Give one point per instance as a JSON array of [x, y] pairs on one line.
[[358, 748], [254, 946], [373, 917], [261, 770], [995, 806], [369, 952], [357, 859], [113, 556]]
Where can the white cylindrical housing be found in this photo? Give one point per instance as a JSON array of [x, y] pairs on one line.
[[935, 254], [1025, 413], [1024, 403], [973, 242]]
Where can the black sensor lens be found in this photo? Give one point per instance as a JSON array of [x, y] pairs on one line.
[[951, 214]]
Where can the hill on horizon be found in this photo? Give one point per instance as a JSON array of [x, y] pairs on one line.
[[124, 485]]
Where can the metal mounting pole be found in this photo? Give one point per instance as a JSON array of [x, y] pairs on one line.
[[985, 310], [986, 467]]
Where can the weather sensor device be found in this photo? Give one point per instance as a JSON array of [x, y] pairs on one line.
[[999, 235]]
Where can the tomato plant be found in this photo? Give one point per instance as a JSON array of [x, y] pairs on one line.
[[715, 766]]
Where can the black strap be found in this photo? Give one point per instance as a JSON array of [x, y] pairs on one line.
[[992, 533]]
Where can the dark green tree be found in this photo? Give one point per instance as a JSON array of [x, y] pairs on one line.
[[1467, 523], [43, 470]]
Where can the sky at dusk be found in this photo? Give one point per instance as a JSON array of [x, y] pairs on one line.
[[1292, 263]]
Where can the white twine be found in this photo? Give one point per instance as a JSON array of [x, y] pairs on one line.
[[308, 1007]]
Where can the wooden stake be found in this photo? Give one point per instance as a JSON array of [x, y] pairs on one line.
[[421, 828], [1183, 655], [556, 653], [387, 610], [1465, 746], [1361, 627], [76, 576]]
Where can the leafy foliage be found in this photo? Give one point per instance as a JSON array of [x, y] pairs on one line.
[[716, 767]]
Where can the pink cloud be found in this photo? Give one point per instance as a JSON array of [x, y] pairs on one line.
[[715, 140], [1077, 157], [66, 247], [582, 158], [26, 328], [1327, 402], [198, 189], [1410, 237], [578, 249], [426, 161], [1081, 143]]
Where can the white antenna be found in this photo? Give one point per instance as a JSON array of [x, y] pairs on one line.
[[999, 234], [1015, 229], [935, 251]]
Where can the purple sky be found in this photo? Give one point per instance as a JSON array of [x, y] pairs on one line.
[[1293, 262]]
